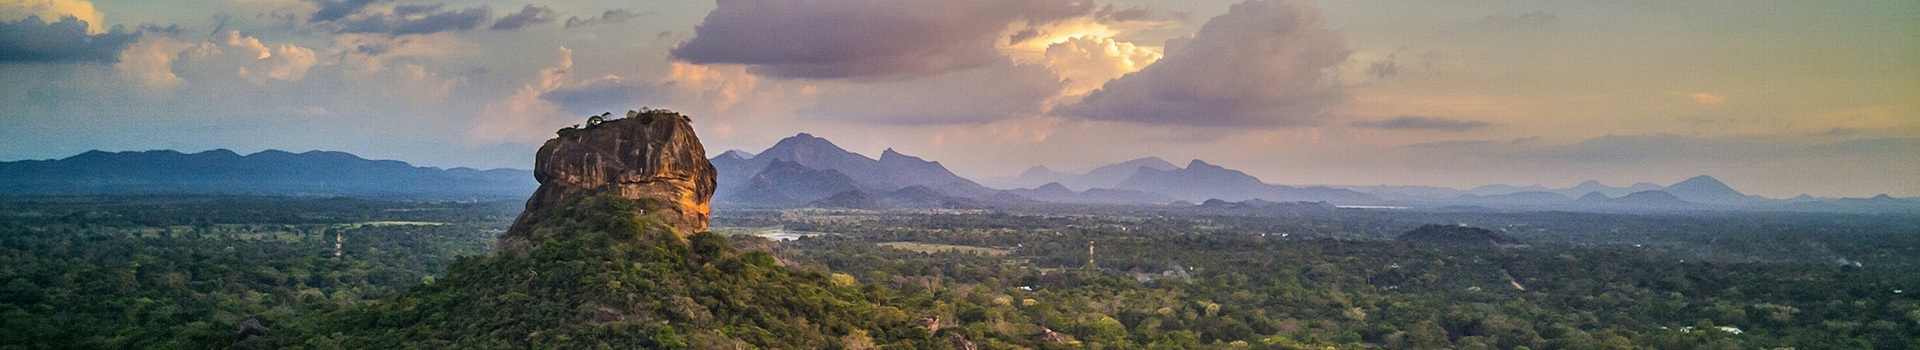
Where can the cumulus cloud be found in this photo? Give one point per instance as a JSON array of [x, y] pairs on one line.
[[865, 38], [160, 61], [416, 19], [527, 15], [1410, 122], [717, 88], [611, 16], [1088, 62], [14, 10], [1263, 63], [35, 40], [149, 62]]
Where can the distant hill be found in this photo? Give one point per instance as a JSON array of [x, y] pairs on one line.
[[1455, 234], [742, 183], [1706, 189], [1200, 181], [785, 183], [1058, 193], [1592, 186], [270, 172], [1106, 176], [1519, 198]]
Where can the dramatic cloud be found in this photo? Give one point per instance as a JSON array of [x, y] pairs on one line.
[[1263, 63], [150, 62], [527, 15], [865, 38], [611, 16], [35, 40], [407, 20], [247, 58], [1409, 122], [1088, 62], [14, 10]]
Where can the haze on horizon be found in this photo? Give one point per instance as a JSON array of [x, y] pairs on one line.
[[1776, 98]]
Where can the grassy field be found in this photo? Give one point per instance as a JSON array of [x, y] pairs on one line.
[[933, 248]]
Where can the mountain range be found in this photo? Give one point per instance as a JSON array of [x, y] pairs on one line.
[[270, 172], [805, 170]]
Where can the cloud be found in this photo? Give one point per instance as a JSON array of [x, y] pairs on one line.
[[1708, 100], [14, 10], [406, 20], [716, 88], [1384, 68], [35, 40], [149, 62], [525, 116], [853, 39], [609, 94], [336, 9], [611, 16], [162, 62], [1409, 122], [1455, 145], [527, 15], [960, 97], [1263, 63], [1088, 62]]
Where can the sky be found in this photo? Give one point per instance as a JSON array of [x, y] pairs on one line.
[[1775, 98]]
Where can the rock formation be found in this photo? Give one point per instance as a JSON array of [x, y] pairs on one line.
[[652, 155]]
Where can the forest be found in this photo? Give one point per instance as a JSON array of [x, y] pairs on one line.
[[193, 272]]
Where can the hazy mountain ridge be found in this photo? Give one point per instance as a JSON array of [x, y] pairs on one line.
[[270, 172], [804, 169], [813, 169], [1107, 176]]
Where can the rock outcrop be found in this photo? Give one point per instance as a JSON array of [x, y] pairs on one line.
[[652, 155]]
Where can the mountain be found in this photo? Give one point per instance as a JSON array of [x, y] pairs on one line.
[[1652, 200], [270, 172], [1707, 190], [1110, 176], [893, 171], [785, 183], [1407, 193], [1500, 189], [1200, 181], [1594, 198], [1592, 186], [1529, 198], [1057, 193], [1106, 176], [1877, 204]]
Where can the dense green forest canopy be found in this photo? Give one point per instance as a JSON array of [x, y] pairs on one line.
[[189, 271]]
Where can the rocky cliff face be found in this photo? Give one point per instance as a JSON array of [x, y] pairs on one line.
[[650, 156]]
